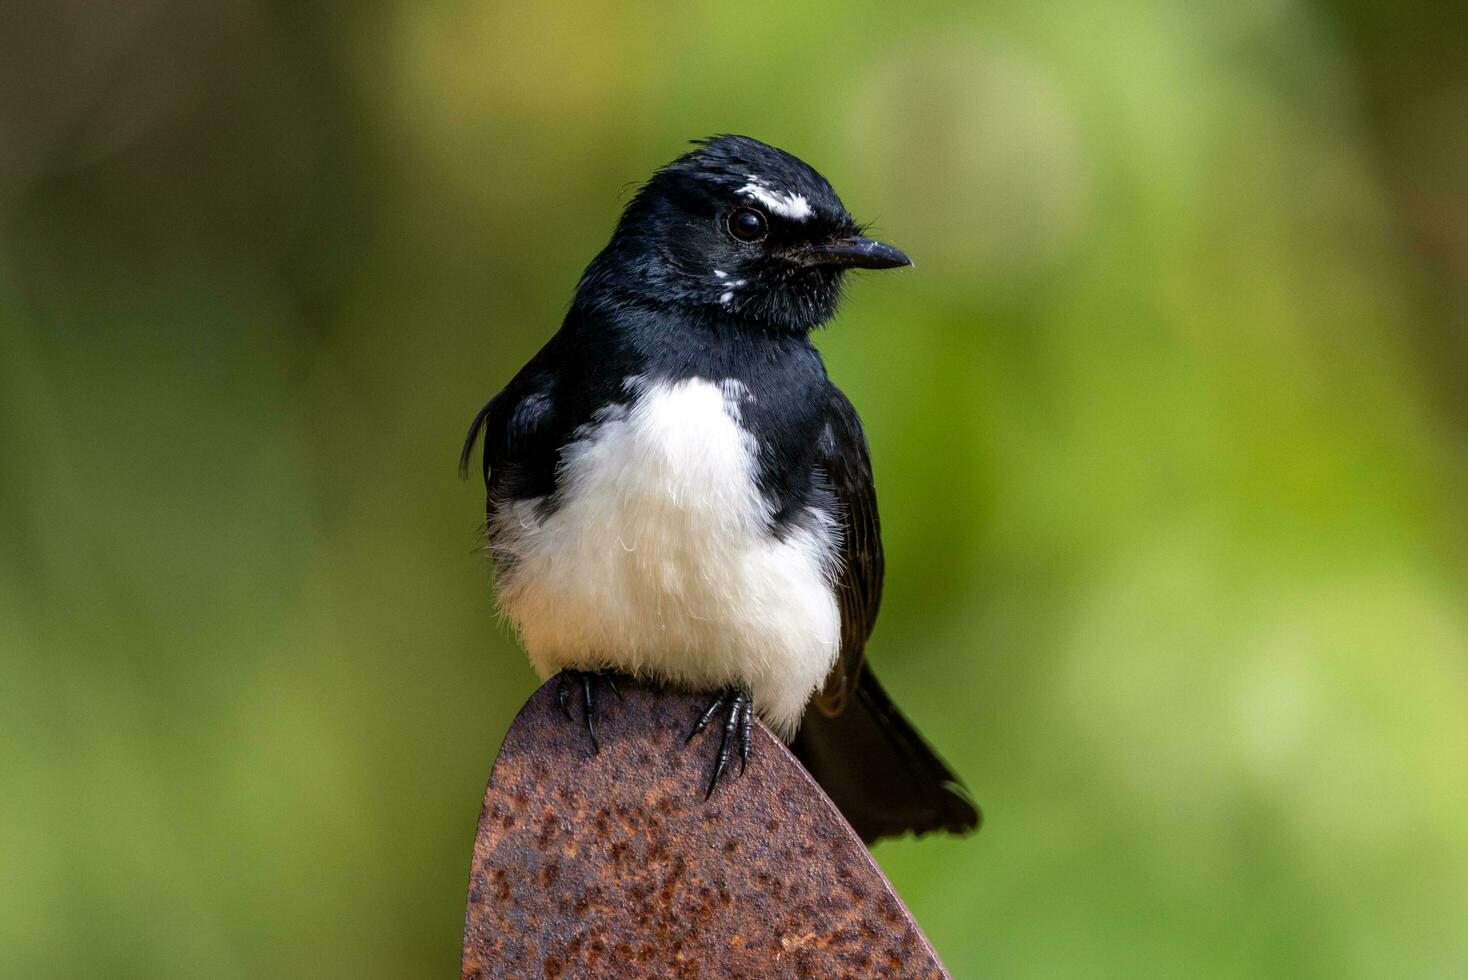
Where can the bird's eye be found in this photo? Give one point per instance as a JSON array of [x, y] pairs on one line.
[[747, 225]]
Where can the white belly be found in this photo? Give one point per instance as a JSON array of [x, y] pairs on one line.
[[659, 560]]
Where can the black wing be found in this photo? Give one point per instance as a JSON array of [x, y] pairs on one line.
[[843, 455], [875, 766], [522, 428]]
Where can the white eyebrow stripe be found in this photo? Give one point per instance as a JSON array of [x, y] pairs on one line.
[[792, 206]]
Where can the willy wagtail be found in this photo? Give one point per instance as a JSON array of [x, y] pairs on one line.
[[678, 493]]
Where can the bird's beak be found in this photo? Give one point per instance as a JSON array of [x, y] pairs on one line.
[[854, 253]]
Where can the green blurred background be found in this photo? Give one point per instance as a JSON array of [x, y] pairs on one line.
[[1169, 425]]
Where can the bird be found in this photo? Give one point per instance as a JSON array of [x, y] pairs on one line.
[[678, 493]]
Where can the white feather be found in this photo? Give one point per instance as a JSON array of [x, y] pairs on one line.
[[792, 206], [660, 560]]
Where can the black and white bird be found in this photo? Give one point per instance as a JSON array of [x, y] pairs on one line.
[[678, 493]]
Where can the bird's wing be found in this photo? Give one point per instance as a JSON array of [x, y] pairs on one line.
[[521, 427], [879, 771], [842, 453]]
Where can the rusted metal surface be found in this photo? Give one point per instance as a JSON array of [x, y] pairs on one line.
[[613, 865]]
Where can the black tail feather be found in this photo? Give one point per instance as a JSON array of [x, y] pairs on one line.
[[879, 771]]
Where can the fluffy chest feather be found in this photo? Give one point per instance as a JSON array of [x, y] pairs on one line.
[[661, 556]]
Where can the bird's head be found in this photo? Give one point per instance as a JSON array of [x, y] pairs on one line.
[[737, 227]]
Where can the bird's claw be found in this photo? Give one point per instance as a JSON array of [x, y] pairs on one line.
[[736, 728], [584, 681]]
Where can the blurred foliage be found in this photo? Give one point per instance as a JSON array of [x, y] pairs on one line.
[[1169, 425]]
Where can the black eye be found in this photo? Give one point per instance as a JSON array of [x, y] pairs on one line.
[[747, 225]]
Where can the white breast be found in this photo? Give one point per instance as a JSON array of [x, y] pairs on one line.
[[660, 560]]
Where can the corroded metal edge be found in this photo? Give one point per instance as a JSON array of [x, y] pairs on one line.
[[612, 864]]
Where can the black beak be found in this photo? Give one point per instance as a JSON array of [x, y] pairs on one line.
[[855, 253]]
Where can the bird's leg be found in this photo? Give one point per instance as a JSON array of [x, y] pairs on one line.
[[584, 682], [739, 708], [745, 720]]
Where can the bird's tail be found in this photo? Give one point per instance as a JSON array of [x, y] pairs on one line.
[[879, 771]]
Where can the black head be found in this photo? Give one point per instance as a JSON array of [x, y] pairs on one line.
[[737, 227]]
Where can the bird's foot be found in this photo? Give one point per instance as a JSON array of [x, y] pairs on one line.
[[584, 683], [739, 705]]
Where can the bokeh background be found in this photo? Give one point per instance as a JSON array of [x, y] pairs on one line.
[[1170, 427]]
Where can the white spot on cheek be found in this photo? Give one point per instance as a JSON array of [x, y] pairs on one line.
[[721, 273], [726, 297], [792, 206]]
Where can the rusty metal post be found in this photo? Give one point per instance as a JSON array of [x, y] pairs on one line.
[[612, 864]]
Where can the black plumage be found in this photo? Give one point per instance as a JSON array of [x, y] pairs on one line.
[[719, 269]]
